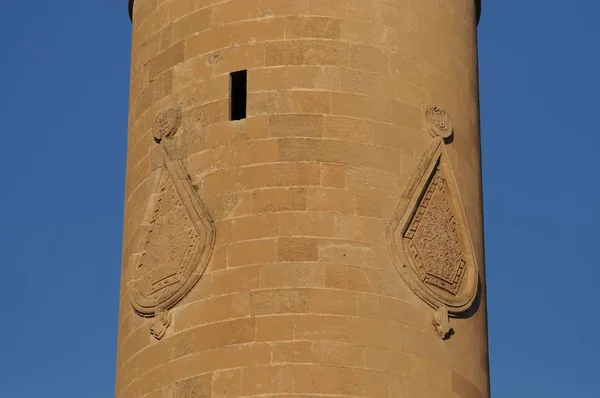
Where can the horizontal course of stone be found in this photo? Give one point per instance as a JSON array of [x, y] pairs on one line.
[[477, 1]]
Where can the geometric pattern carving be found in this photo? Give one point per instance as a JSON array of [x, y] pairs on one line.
[[433, 239], [429, 240], [170, 241], [173, 244]]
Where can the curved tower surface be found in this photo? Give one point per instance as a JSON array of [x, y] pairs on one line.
[[303, 211]]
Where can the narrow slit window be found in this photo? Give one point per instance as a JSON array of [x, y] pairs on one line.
[[239, 85]]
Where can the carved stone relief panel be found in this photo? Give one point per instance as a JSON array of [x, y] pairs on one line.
[[428, 236], [441, 322], [438, 122], [175, 240], [167, 123], [433, 240]]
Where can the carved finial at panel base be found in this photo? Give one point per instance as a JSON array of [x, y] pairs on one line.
[[438, 122], [160, 324], [429, 239], [174, 243], [167, 123], [441, 321]]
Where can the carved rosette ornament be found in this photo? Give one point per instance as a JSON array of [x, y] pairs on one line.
[[438, 122], [429, 239], [167, 123], [175, 240]]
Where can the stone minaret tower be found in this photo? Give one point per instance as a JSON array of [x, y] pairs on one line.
[[303, 213]]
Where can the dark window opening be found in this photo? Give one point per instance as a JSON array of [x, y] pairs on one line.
[[239, 85]]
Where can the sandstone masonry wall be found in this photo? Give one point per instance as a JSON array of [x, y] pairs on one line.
[[300, 297]]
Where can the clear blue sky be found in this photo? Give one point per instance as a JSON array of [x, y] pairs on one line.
[[63, 109]]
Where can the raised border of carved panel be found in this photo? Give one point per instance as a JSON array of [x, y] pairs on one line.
[[429, 239], [175, 240]]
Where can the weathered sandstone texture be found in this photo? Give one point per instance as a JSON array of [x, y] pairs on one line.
[[330, 243]]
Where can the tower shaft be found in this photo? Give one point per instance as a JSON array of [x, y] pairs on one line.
[[303, 211]]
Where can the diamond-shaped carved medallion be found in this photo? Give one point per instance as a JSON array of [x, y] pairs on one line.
[[174, 242], [433, 239], [429, 239]]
